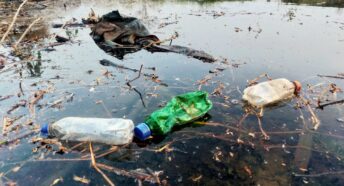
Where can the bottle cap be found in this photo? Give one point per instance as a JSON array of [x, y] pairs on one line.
[[45, 129], [142, 131], [298, 86]]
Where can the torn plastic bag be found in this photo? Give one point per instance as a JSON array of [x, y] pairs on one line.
[[119, 35]]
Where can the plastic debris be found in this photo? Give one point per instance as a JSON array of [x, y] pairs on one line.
[[114, 131], [180, 110], [270, 92]]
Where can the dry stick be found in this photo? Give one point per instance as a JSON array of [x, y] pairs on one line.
[[240, 130], [315, 120], [21, 88], [266, 137], [138, 76], [111, 150], [138, 92], [321, 106], [337, 77], [319, 174], [13, 21], [26, 31], [253, 81], [94, 164], [159, 42]]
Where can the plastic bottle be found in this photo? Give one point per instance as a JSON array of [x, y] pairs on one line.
[[270, 92], [180, 110], [114, 131]]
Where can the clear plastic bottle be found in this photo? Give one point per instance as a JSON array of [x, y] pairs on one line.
[[270, 92], [114, 131]]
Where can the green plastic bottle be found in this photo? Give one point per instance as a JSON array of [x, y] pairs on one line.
[[182, 109]]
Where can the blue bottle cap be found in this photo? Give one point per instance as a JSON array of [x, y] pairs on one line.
[[45, 129], [142, 131]]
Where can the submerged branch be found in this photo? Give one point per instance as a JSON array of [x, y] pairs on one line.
[[94, 165]]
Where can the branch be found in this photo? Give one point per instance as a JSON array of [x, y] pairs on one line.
[[321, 106], [13, 21], [26, 31], [94, 164], [138, 76]]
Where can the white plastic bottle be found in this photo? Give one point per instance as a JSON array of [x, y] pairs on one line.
[[270, 92], [113, 131]]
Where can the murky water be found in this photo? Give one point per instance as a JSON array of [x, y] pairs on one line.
[[298, 42]]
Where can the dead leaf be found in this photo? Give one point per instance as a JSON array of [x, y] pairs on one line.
[[252, 135], [2, 62], [81, 179], [6, 122], [16, 169], [239, 141], [303, 169], [218, 91], [165, 148], [248, 170], [56, 181], [196, 178]]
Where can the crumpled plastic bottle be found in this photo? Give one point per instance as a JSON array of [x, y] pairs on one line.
[[270, 92], [113, 131], [180, 110]]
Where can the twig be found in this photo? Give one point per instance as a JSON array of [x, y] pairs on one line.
[[337, 77], [111, 150], [5, 97], [21, 88], [321, 106], [319, 174], [94, 164], [26, 31], [106, 62], [254, 81], [159, 42], [131, 174], [315, 120], [138, 76], [138, 92], [58, 25], [10, 141], [13, 21], [266, 136]]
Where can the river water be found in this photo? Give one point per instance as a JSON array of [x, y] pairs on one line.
[[249, 38]]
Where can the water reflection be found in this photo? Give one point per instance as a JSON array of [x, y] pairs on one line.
[[34, 67], [296, 42]]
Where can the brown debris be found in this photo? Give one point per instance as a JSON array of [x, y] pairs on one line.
[[218, 91], [248, 170], [5, 97], [329, 76], [37, 96], [81, 179], [2, 62], [21, 103], [162, 25], [6, 123], [13, 21], [94, 165]]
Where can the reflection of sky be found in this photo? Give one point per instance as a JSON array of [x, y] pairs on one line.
[[311, 43]]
